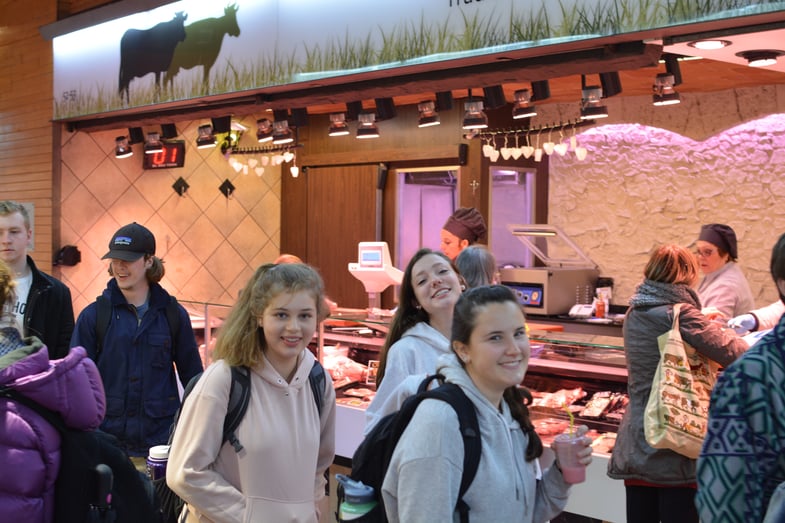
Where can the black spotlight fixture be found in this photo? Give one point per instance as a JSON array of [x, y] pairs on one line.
[[353, 110], [474, 116], [664, 93], [338, 126], [264, 130], [298, 117], [153, 144], [122, 148], [522, 107], [494, 97], [385, 108], [205, 138], [444, 101], [610, 83], [222, 124], [428, 114], [168, 131], [135, 135], [282, 134], [541, 90], [672, 67], [366, 126], [591, 101]]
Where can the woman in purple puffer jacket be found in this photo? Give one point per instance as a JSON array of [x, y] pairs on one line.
[[29, 445]]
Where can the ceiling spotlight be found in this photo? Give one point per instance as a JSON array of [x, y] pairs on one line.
[[428, 114], [168, 131], [135, 135], [474, 117], [338, 126], [664, 94], [153, 144], [205, 138], [761, 57], [610, 83], [541, 90], [385, 108], [709, 45], [281, 132], [522, 107], [591, 105], [444, 100], [122, 148], [494, 97], [264, 130], [366, 126]]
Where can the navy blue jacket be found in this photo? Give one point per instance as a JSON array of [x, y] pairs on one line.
[[136, 366]]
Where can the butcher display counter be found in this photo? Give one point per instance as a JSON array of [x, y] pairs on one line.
[[587, 376]]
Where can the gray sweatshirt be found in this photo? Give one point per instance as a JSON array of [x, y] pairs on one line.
[[425, 472]]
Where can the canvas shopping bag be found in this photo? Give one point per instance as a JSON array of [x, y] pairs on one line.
[[678, 408]]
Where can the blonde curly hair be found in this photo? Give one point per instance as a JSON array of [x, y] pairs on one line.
[[7, 288]]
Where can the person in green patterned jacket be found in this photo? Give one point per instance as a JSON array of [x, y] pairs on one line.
[[743, 455]]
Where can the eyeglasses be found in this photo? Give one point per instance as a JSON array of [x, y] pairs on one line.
[[705, 253]]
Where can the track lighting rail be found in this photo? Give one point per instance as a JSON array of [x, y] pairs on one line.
[[264, 149]]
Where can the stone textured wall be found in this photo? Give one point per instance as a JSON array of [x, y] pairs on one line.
[[653, 175]]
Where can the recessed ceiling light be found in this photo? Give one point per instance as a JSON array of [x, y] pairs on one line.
[[709, 45], [760, 57]]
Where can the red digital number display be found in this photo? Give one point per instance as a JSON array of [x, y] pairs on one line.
[[173, 155]]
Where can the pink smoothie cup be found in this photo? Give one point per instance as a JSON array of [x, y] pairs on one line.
[[566, 446]]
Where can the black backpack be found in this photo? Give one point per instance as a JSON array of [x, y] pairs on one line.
[[103, 316], [96, 481], [239, 396], [372, 457]]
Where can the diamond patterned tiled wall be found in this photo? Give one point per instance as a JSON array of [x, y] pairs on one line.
[[210, 244]]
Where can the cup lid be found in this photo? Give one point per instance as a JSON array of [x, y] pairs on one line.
[[159, 452]]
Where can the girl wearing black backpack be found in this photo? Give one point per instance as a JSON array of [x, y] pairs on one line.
[[422, 482], [287, 443]]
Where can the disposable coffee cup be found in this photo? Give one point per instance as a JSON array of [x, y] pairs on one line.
[[566, 446]]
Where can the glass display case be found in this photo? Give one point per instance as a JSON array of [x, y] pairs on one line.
[[579, 376]]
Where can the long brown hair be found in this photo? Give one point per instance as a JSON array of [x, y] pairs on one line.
[[239, 340], [409, 313], [464, 321]]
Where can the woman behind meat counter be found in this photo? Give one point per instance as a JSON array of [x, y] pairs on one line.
[[660, 484]]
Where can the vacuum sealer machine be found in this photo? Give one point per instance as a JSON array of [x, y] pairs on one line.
[[567, 277]]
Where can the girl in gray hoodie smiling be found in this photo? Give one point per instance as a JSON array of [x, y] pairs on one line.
[[491, 354]]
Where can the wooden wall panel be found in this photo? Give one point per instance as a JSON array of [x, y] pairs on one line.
[[341, 213], [26, 141]]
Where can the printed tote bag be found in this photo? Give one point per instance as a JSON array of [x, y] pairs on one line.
[[678, 408]]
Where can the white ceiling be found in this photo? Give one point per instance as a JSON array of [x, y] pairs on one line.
[[761, 40]]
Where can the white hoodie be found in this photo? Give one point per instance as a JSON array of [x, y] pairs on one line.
[[424, 476], [409, 360]]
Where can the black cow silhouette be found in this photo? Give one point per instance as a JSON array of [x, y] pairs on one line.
[[202, 44], [144, 51]]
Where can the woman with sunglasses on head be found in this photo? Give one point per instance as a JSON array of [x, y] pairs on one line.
[[724, 289]]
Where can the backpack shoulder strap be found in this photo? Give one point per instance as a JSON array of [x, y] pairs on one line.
[[317, 380], [103, 315], [52, 417], [239, 397], [470, 431]]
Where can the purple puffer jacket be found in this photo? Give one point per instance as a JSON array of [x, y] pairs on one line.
[[29, 446]]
